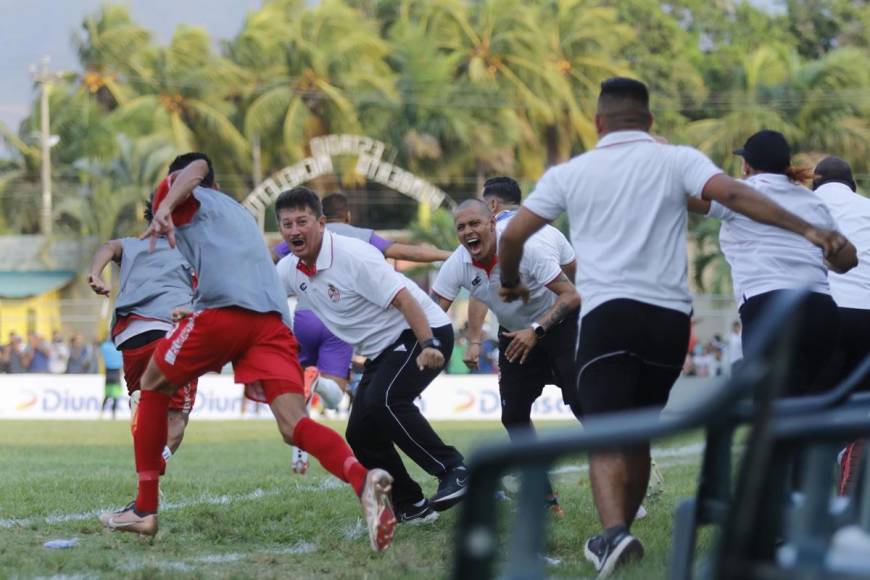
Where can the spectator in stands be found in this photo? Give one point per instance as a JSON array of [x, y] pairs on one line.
[[80, 356], [16, 354], [112, 362], [735, 344], [58, 354], [37, 354]]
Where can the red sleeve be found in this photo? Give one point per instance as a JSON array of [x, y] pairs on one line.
[[182, 214]]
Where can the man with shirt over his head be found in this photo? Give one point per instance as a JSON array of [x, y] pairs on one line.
[[626, 201], [834, 183], [536, 338], [390, 321], [240, 316]]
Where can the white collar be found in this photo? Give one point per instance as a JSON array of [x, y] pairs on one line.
[[622, 137]]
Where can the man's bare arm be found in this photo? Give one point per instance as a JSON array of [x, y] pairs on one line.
[[414, 315], [111, 251], [567, 301], [510, 246], [415, 253], [743, 199]]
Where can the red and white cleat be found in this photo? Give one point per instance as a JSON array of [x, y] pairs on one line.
[[375, 499], [300, 461]]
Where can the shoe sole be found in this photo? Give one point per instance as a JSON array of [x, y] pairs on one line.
[[448, 501], [376, 500], [628, 550]]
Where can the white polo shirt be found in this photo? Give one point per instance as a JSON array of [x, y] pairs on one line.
[[548, 235], [764, 258], [626, 204], [351, 289], [538, 268], [851, 211]]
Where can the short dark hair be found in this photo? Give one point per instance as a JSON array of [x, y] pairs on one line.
[[186, 159], [299, 198], [624, 102], [624, 88], [505, 188], [335, 205], [833, 169]]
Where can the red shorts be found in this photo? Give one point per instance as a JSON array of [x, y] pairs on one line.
[[136, 361], [260, 346]]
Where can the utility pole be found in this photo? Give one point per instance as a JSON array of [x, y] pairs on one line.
[[44, 79]]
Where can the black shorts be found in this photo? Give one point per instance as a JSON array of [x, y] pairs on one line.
[[813, 362], [551, 362], [630, 354], [854, 343]]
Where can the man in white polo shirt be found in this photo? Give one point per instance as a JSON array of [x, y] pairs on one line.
[[834, 183], [536, 338], [626, 203], [390, 321], [503, 196]]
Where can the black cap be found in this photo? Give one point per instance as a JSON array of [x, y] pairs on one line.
[[766, 151]]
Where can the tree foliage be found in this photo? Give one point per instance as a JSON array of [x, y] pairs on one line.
[[458, 90]]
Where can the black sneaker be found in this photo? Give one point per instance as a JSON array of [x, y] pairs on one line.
[[607, 557], [416, 515], [451, 488]]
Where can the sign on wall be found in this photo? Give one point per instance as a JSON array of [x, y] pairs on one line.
[[449, 397]]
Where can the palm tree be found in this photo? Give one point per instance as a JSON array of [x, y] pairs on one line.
[[333, 61], [183, 92], [447, 127], [835, 114], [583, 44], [104, 44], [762, 100], [113, 194]]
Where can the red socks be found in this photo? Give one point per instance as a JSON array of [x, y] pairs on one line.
[[148, 443], [331, 451]]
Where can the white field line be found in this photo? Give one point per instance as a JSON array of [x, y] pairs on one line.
[[190, 564], [669, 456], [324, 484]]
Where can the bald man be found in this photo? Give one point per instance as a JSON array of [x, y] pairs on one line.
[[834, 183]]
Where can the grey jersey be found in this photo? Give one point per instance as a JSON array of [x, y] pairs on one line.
[[233, 266], [364, 234], [152, 283]]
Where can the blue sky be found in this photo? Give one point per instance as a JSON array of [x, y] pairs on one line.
[[31, 29]]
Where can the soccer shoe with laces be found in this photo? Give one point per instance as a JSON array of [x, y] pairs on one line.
[[607, 557], [415, 515], [127, 520], [451, 489], [375, 500], [106, 516]]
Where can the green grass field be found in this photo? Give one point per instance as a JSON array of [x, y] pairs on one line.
[[233, 508]]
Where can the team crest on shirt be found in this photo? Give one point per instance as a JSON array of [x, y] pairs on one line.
[[334, 293]]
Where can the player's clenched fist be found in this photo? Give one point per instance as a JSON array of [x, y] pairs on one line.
[[430, 358]]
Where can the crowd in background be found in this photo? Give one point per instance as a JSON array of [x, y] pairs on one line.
[[77, 355], [57, 356]]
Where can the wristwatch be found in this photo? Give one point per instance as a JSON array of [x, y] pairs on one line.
[[540, 331], [510, 283], [431, 343]]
